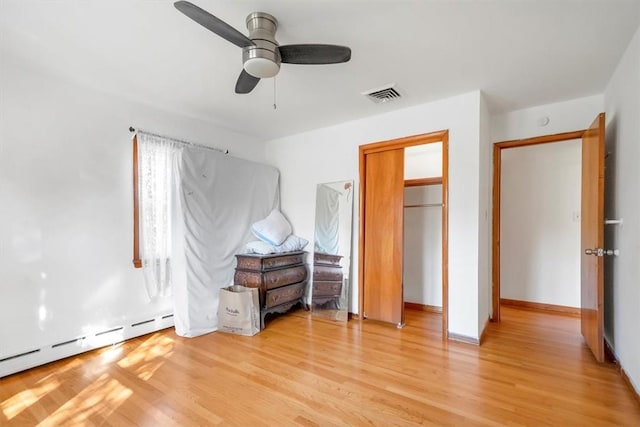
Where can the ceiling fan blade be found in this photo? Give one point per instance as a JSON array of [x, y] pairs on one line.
[[214, 24], [246, 82], [314, 54]]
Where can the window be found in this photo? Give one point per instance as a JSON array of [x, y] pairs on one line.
[[153, 169]]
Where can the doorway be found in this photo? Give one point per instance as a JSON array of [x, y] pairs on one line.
[[382, 186], [540, 227], [591, 227], [497, 198]]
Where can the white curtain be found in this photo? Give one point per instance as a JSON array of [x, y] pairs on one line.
[[157, 158]]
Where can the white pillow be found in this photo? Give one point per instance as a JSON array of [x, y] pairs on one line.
[[274, 229], [292, 244], [260, 247]]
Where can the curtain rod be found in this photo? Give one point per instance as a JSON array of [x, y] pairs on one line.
[[193, 144]]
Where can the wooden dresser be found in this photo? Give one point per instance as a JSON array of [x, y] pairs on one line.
[[327, 279], [281, 279]]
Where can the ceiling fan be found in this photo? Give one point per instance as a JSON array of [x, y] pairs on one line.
[[261, 53]]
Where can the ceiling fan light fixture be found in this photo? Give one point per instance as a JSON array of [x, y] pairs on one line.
[[261, 60], [261, 52], [261, 67]]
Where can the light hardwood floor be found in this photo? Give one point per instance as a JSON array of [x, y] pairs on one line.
[[532, 369]]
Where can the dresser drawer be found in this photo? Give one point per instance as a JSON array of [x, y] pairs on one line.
[[320, 258], [284, 294], [268, 262], [329, 289], [324, 272], [271, 279]]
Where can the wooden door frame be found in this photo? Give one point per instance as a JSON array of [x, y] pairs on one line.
[[497, 175], [394, 144]]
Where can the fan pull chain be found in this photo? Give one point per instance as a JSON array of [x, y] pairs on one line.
[[275, 107]]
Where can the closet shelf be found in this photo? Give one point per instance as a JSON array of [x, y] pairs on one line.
[[424, 205]]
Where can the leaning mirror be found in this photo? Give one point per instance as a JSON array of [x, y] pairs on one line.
[[332, 250]]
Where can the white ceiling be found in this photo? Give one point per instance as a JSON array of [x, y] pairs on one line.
[[519, 53]]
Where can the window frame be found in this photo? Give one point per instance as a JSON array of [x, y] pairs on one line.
[[137, 262]]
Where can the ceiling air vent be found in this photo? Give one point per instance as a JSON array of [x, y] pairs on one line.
[[384, 94]]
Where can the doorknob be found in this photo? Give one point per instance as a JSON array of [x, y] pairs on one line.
[[601, 252]]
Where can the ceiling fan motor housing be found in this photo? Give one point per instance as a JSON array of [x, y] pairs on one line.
[[263, 59]]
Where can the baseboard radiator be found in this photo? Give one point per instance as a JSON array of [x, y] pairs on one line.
[[30, 358]]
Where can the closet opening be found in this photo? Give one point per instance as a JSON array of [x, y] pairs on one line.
[[403, 250], [422, 255]]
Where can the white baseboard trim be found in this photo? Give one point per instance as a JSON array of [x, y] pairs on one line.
[[30, 358], [467, 339], [463, 338]]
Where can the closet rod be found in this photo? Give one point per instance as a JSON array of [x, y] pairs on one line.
[[192, 144], [424, 205]]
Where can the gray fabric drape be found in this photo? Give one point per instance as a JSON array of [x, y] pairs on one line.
[[327, 220], [220, 197]]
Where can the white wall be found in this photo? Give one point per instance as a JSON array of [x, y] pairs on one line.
[[331, 154], [484, 217], [422, 278], [622, 291], [564, 116], [423, 161], [540, 223], [66, 210]]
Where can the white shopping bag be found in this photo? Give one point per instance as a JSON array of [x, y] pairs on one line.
[[239, 310]]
